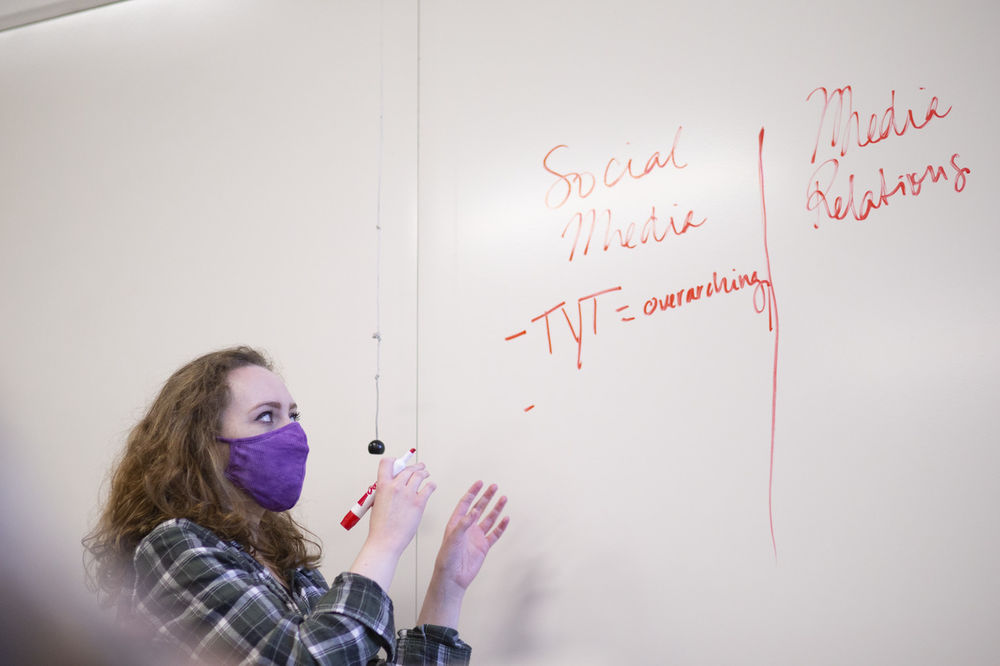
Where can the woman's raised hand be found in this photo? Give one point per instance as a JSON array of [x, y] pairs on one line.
[[468, 537], [470, 534]]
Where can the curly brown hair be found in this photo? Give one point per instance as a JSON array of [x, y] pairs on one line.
[[172, 467]]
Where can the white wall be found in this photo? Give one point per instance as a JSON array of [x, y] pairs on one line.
[[183, 176], [179, 176]]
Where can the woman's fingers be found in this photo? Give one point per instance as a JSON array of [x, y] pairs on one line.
[[495, 535], [385, 469], [470, 509], [483, 502], [413, 475], [491, 518], [467, 499]]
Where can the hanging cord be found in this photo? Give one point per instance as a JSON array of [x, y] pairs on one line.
[[376, 447], [377, 335]]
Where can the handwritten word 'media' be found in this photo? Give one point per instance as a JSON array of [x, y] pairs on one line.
[[819, 196], [631, 236], [838, 105], [583, 183]]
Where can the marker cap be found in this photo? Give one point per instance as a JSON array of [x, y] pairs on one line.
[[350, 520]]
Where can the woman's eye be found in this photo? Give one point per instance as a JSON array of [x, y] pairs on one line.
[[295, 416], [266, 417]]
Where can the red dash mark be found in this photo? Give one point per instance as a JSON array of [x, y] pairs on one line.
[[774, 308], [516, 335], [529, 408]]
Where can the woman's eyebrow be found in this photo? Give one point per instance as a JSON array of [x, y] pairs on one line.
[[272, 404]]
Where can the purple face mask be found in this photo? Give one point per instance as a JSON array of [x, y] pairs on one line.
[[270, 467]]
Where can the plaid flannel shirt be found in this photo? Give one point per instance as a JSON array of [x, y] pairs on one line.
[[215, 602]]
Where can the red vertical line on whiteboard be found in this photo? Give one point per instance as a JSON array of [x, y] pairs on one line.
[[577, 338], [548, 332], [774, 370], [594, 296]]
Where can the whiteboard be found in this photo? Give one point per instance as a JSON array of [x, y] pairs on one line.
[[797, 470], [626, 396]]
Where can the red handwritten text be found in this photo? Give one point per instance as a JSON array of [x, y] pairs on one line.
[[845, 121], [763, 300], [762, 296], [583, 227], [583, 183], [820, 196], [627, 237], [577, 331]]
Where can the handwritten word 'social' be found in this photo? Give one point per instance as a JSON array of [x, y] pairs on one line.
[[583, 183]]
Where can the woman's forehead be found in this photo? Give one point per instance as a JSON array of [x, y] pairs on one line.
[[254, 383]]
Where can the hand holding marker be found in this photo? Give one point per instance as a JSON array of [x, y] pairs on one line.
[[361, 508]]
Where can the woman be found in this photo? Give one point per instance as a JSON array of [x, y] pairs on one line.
[[195, 542]]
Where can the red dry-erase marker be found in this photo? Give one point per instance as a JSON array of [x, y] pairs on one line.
[[358, 510]]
